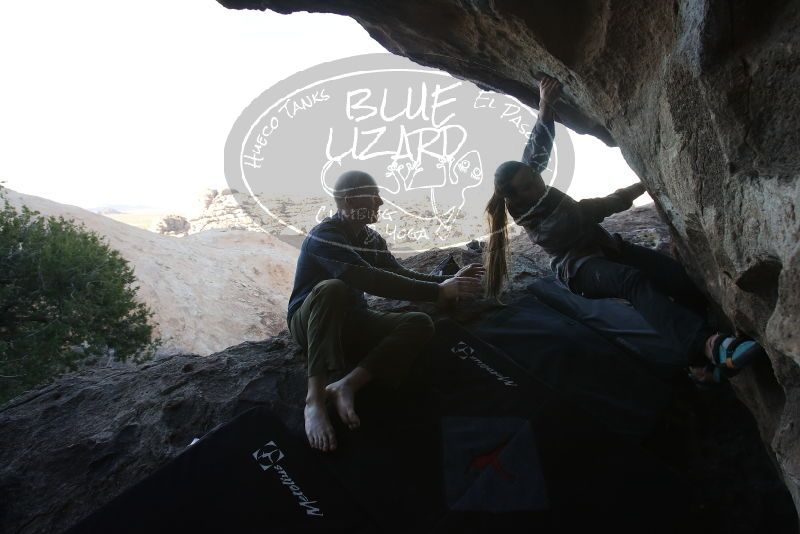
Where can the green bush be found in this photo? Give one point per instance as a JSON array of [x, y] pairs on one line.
[[64, 296]]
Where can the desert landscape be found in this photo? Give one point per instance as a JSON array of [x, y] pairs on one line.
[[209, 290]]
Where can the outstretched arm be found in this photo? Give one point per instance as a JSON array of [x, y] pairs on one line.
[[540, 142], [344, 263], [596, 209], [408, 273], [473, 270], [386, 260], [333, 253]]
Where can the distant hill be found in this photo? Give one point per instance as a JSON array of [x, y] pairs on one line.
[[105, 211], [209, 290], [124, 208]]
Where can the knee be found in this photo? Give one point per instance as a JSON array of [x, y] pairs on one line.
[[333, 290], [631, 278], [422, 325]]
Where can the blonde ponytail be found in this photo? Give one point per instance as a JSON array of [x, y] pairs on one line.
[[495, 253]]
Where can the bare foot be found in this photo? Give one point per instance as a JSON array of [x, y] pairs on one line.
[[343, 395], [318, 427]]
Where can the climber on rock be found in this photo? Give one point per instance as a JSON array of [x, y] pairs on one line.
[[593, 263], [340, 259]]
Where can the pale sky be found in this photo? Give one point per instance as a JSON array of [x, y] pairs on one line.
[[104, 102]]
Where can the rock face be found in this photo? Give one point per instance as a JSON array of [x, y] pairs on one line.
[[229, 209], [172, 224], [101, 429], [700, 95]]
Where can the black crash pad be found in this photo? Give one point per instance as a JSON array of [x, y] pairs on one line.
[[595, 353], [246, 476], [471, 442]]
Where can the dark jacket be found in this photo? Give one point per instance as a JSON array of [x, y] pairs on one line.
[[363, 261], [566, 229]]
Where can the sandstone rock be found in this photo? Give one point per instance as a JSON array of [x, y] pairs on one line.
[[700, 95], [175, 225], [204, 200]]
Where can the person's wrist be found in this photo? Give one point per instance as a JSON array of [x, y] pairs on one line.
[[544, 104], [545, 111]]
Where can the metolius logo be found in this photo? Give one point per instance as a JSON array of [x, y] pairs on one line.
[[464, 351], [268, 457], [428, 139]]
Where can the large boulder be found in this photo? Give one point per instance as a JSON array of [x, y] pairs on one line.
[[172, 224], [701, 97]]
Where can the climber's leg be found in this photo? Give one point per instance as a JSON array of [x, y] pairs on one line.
[[316, 326], [601, 277], [666, 273], [392, 341]]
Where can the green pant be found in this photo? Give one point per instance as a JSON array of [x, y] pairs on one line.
[[337, 337]]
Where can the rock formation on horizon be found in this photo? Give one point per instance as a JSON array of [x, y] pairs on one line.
[[232, 210]]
